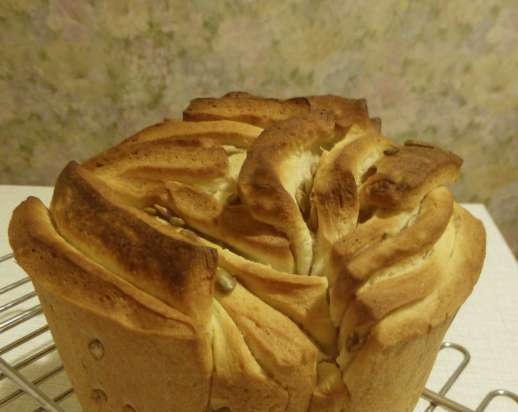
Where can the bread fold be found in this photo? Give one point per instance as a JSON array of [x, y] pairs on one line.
[[278, 164], [239, 383], [282, 349], [261, 255], [105, 328]]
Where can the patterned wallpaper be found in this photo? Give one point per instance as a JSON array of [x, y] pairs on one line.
[[77, 76]]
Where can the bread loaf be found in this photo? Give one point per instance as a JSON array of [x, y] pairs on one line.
[[260, 255]]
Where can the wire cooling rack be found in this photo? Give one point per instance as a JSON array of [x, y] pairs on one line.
[[46, 365]]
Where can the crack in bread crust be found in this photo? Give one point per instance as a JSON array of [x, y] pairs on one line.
[[345, 254]]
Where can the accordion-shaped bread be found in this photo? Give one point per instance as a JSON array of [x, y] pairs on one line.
[[261, 255]]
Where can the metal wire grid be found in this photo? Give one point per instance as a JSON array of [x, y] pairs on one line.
[[32, 387]]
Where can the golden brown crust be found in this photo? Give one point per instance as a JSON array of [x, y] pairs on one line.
[[414, 332], [404, 176], [335, 205], [131, 244], [114, 315], [58, 266], [184, 252], [386, 264], [266, 177], [168, 158], [412, 307], [412, 279], [346, 111], [232, 224], [224, 132], [417, 238], [264, 112], [457, 279], [244, 107]]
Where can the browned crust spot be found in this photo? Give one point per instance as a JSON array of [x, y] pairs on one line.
[[53, 262], [132, 244], [264, 112], [403, 178]]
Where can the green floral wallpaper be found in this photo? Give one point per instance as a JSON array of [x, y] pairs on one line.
[[77, 76]]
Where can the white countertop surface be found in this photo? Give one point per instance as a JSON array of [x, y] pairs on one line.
[[487, 324]]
